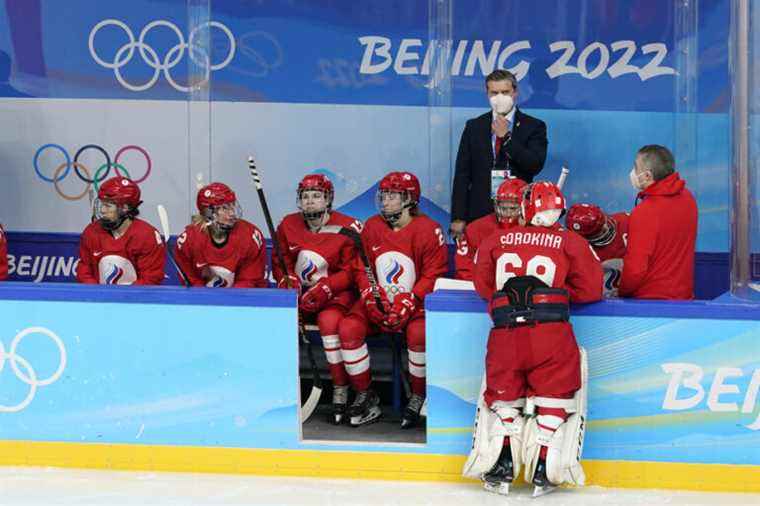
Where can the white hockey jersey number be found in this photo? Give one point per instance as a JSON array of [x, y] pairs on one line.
[[539, 266]]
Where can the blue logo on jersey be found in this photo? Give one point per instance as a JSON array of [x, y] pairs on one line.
[[309, 271], [218, 282], [395, 273], [115, 275]]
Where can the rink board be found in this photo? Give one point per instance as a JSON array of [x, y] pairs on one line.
[[200, 380]]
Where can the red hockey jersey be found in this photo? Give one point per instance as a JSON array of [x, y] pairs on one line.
[[240, 262], [467, 245], [559, 257], [135, 258], [406, 260], [312, 256]]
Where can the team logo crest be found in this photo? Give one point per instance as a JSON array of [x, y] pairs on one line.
[[613, 271], [396, 273], [216, 276], [310, 267], [116, 270]]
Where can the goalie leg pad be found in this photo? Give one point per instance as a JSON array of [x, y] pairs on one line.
[[488, 436], [565, 444]]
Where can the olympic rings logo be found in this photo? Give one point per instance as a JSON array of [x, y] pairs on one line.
[[82, 172], [28, 375], [170, 60]]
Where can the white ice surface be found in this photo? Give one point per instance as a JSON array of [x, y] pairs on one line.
[[45, 486]]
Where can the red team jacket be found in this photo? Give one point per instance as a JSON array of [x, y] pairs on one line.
[[559, 257], [3, 255], [474, 234], [136, 258], [239, 263], [406, 260], [662, 232], [312, 256]]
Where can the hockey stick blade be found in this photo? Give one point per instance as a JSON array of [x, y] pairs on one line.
[[316, 389], [163, 217]]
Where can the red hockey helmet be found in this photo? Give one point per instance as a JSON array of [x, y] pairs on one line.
[[507, 200], [214, 195], [120, 190], [543, 204], [314, 208], [403, 182], [592, 223], [318, 182], [586, 219]]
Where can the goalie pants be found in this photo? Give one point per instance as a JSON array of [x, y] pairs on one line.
[[541, 360], [353, 330]]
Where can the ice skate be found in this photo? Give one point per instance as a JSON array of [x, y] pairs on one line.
[[365, 409]]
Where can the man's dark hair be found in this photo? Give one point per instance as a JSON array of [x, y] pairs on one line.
[[502, 75], [657, 159]]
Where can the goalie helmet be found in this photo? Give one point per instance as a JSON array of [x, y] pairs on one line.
[[507, 200], [218, 205], [542, 204], [315, 207], [592, 223], [404, 184]]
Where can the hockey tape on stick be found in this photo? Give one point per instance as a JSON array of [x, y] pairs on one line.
[[316, 390], [163, 217], [562, 177]]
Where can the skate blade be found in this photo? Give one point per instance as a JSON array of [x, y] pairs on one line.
[[497, 488], [539, 491], [372, 416]]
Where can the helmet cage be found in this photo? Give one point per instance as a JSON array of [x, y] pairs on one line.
[[603, 238], [213, 215], [393, 215], [314, 214]]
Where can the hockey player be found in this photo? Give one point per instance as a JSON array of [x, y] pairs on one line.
[[220, 249], [507, 213], [529, 274], [406, 252], [318, 260], [608, 235], [119, 248], [3, 255]]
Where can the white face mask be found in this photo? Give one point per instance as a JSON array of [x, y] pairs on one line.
[[501, 104], [637, 185]]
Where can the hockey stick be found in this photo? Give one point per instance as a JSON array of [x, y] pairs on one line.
[[562, 177], [163, 217], [354, 236], [316, 389]]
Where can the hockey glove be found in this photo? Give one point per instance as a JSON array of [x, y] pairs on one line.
[[316, 297], [376, 313], [289, 281], [404, 306]]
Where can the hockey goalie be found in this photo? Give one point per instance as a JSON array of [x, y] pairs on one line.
[[531, 413]]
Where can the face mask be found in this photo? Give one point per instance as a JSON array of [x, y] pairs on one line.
[[501, 104], [635, 180]]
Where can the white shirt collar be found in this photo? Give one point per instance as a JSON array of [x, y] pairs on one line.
[[510, 116]]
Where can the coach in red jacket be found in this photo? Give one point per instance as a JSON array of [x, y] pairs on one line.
[[662, 231]]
